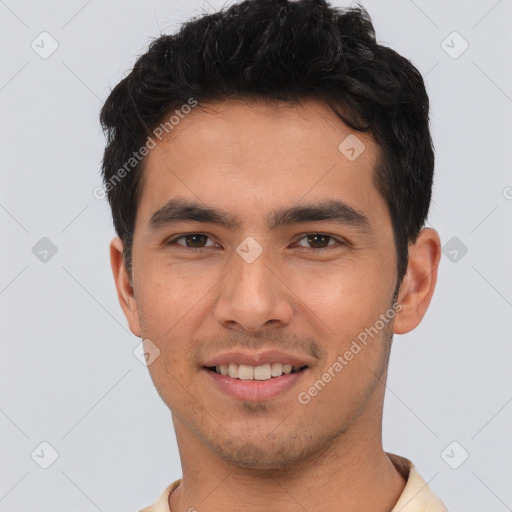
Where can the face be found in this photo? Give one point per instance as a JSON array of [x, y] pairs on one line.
[[258, 242]]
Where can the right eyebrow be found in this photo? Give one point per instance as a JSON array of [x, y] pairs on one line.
[[180, 210]]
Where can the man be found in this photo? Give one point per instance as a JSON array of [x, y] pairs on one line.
[[269, 169]]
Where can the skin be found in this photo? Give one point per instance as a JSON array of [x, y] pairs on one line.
[[250, 158]]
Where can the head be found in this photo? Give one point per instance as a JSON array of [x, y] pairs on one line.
[[282, 130]]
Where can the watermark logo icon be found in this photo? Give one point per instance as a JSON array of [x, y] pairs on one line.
[[44, 250], [352, 147], [249, 250], [146, 352], [454, 45], [454, 249], [44, 455], [44, 45], [455, 455]]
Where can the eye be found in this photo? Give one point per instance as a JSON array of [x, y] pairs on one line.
[[313, 241], [320, 241], [192, 241]]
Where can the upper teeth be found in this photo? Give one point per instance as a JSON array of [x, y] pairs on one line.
[[262, 372]]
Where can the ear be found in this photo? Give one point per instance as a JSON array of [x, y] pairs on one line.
[[124, 288], [419, 281]]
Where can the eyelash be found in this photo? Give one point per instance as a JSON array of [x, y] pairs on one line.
[[306, 235]]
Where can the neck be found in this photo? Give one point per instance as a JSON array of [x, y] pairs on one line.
[[352, 474]]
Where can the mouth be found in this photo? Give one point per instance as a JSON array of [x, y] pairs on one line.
[[264, 372], [255, 383], [250, 376]]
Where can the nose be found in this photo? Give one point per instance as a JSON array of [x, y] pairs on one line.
[[253, 296]]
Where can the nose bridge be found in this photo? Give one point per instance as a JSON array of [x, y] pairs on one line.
[[250, 294], [251, 275]]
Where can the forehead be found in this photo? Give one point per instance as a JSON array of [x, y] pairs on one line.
[[251, 154]]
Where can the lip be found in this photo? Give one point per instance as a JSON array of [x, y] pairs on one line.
[[267, 357], [255, 390]]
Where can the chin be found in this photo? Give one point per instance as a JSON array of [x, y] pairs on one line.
[[262, 456]]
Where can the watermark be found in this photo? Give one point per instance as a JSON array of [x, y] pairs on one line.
[[44, 45], [146, 352], [304, 397], [454, 45], [44, 250], [44, 455], [158, 133], [455, 455], [351, 147], [454, 249], [249, 250]]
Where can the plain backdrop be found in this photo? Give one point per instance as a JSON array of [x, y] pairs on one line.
[[68, 375]]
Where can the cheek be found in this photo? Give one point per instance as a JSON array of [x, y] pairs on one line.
[[171, 295], [353, 292], [173, 303]]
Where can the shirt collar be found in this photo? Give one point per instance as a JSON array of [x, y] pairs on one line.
[[416, 496]]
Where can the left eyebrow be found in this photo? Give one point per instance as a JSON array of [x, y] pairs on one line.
[[337, 211], [334, 211]]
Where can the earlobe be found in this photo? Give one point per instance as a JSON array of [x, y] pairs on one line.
[[419, 281], [124, 287]]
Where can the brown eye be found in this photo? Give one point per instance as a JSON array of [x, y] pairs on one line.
[[195, 240], [319, 241], [192, 241]]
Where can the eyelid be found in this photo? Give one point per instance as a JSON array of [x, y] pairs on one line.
[[339, 241], [172, 240]]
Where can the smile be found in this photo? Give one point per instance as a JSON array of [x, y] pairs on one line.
[[261, 372]]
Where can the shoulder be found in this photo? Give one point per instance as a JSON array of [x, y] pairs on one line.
[[417, 495], [162, 503]]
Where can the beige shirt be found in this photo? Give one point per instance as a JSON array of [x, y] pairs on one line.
[[416, 496]]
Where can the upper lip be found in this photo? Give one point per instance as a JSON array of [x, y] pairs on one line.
[[261, 358]]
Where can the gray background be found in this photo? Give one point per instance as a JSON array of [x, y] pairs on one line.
[[67, 370]]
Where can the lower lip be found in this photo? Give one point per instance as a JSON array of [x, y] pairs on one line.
[[255, 390]]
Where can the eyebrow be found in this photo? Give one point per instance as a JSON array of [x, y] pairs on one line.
[[177, 210]]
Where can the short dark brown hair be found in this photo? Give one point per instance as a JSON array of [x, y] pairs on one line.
[[286, 51]]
